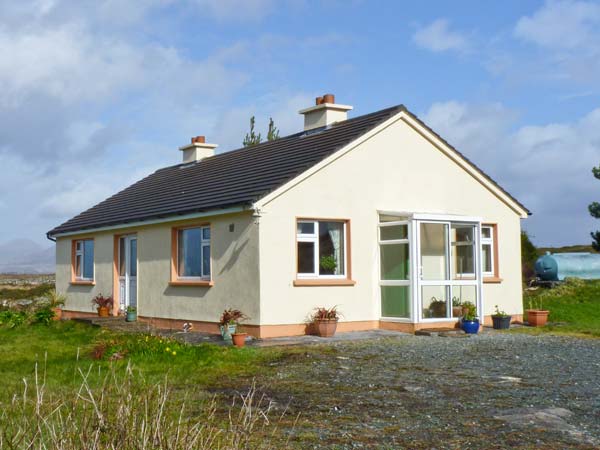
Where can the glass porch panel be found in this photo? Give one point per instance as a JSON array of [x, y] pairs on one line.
[[433, 251], [460, 295], [462, 244], [395, 301], [393, 232], [122, 257], [435, 301], [394, 262]]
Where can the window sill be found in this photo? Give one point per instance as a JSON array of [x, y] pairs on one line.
[[199, 283], [324, 282], [83, 282], [492, 280]]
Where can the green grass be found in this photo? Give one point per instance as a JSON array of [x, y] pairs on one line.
[[574, 307], [62, 350], [25, 292]]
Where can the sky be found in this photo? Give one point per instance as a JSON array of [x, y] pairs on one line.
[[96, 95]]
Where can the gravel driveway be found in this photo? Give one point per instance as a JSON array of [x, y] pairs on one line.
[[487, 391]]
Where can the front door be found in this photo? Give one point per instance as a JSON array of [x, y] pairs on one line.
[[127, 271]]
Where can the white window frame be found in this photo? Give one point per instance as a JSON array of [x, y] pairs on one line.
[[408, 282], [80, 253], [314, 239], [488, 241], [205, 275]]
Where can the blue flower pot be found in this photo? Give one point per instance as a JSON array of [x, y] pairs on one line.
[[470, 326], [227, 331]]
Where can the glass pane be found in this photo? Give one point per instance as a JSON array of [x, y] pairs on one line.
[[78, 266], [331, 248], [88, 259], [394, 262], [206, 260], [463, 251], [395, 301], [306, 228], [486, 257], [390, 218], [133, 258], [486, 232], [433, 251], [206, 233], [461, 295], [435, 301], [306, 257], [189, 252], [122, 257], [394, 232]]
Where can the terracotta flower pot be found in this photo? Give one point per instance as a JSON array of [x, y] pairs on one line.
[[103, 311], [57, 313], [326, 328], [239, 339], [537, 317], [457, 311]]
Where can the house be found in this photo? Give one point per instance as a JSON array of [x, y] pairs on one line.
[[376, 214]]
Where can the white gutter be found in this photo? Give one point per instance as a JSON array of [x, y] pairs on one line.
[[173, 218]]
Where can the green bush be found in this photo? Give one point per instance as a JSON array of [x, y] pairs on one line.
[[43, 315], [12, 319]]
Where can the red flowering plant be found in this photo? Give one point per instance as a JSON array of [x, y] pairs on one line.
[[232, 317], [326, 314], [100, 301]]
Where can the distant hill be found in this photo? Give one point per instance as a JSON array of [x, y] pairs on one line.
[[566, 249], [25, 256]]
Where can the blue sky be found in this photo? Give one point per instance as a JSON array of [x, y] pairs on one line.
[[94, 95]]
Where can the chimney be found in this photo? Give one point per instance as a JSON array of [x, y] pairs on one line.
[[325, 112], [197, 150]]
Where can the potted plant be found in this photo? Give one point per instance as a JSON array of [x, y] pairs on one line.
[[437, 307], [55, 302], [470, 322], [131, 314], [325, 321], [536, 315], [229, 321], [103, 304], [328, 264], [501, 320], [456, 307], [239, 337]]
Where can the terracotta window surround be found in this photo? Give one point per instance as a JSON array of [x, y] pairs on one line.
[[74, 280], [175, 279], [347, 281], [495, 279]]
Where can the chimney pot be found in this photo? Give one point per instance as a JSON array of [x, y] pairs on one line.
[[318, 100], [324, 113], [328, 98], [198, 140]]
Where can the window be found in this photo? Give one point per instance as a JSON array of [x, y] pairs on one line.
[[463, 251], [489, 263], [321, 249], [191, 259], [83, 260]]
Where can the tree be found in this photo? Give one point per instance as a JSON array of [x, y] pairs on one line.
[[252, 138], [273, 132], [594, 209], [529, 256]]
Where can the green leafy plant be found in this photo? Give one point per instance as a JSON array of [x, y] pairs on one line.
[[328, 263], [456, 301], [232, 317], [12, 319], [500, 313], [131, 309], [43, 315], [326, 314], [469, 311], [536, 303], [54, 299]]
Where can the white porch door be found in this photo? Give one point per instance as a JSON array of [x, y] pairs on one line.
[[127, 271], [448, 271]]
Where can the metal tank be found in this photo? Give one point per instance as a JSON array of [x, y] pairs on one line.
[[558, 266]]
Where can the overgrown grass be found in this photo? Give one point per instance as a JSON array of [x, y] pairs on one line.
[[574, 307], [25, 292], [78, 365]]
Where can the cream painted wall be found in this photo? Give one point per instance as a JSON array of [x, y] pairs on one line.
[[395, 170], [234, 271], [79, 297]]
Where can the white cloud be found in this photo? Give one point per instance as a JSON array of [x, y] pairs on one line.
[[547, 167], [438, 37]]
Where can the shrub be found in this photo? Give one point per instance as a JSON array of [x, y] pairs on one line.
[[12, 319], [43, 315], [101, 301], [232, 317]]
